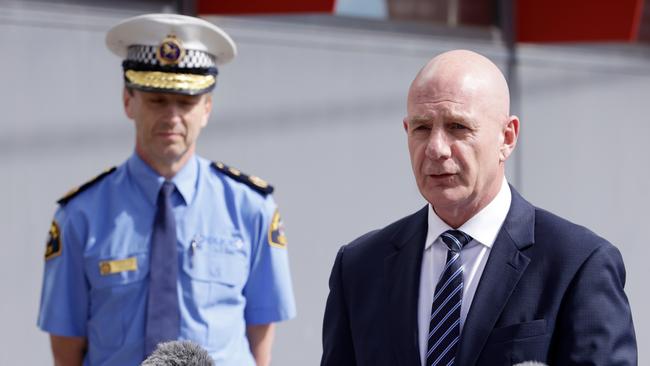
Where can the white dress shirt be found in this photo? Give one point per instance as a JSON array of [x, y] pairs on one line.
[[483, 228]]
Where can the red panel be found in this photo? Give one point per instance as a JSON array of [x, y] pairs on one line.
[[234, 7], [578, 20]]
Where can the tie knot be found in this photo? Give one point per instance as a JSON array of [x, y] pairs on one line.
[[455, 240], [167, 189]]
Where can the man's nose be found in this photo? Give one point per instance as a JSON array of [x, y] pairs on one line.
[[438, 146], [173, 112]]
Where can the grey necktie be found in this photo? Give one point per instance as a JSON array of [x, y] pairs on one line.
[[163, 314]]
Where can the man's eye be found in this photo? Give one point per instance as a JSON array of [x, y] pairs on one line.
[[457, 126], [188, 102], [421, 128]]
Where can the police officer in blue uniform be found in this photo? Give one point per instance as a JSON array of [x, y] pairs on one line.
[[167, 245]]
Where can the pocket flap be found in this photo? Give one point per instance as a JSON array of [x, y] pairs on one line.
[[225, 263], [518, 331]]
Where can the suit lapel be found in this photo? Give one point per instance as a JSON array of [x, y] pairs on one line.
[[402, 279], [502, 272]]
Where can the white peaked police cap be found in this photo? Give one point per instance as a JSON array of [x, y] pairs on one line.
[[170, 52]]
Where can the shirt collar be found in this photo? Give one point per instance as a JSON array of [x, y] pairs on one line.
[[150, 181], [482, 227]]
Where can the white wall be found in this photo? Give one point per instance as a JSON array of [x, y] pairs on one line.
[[317, 111]]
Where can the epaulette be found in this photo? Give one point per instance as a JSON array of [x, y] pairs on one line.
[[75, 191], [256, 183]]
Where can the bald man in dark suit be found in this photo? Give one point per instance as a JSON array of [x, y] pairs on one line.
[[479, 276]]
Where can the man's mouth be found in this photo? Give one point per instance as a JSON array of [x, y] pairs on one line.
[[442, 177]]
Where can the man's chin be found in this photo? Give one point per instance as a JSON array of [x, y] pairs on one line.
[[172, 154], [444, 197]]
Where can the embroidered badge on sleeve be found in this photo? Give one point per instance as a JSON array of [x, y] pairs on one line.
[[54, 247], [276, 232]]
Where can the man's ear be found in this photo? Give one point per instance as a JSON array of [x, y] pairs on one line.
[[510, 136], [127, 100], [208, 109]]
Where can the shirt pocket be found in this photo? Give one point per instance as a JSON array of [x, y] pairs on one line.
[[220, 260], [117, 297]]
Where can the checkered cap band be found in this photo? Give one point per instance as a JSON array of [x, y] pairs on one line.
[[191, 59]]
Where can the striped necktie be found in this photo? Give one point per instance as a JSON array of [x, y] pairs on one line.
[[163, 314], [444, 326]]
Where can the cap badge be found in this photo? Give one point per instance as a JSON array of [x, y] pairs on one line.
[[170, 51]]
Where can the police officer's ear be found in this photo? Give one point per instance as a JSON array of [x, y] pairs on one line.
[[127, 99], [208, 109]]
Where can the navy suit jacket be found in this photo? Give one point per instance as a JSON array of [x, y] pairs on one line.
[[551, 291]]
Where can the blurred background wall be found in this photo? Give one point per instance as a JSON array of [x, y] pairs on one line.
[[314, 105]]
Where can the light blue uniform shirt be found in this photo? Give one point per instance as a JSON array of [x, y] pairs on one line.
[[231, 274]]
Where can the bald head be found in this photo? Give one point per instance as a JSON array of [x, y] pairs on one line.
[[460, 133], [466, 75]]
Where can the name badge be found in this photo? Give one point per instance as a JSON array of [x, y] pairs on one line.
[[117, 266]]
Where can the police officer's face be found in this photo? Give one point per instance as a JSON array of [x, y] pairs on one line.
[[167, 125]]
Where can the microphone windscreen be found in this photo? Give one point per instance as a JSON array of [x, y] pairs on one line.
[[179, 353]]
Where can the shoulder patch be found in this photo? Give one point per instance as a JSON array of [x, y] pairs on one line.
[[276, 235], [75, 191], [53, 246], [256, 183]]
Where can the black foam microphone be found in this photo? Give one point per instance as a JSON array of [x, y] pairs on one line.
[[179, 353]]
